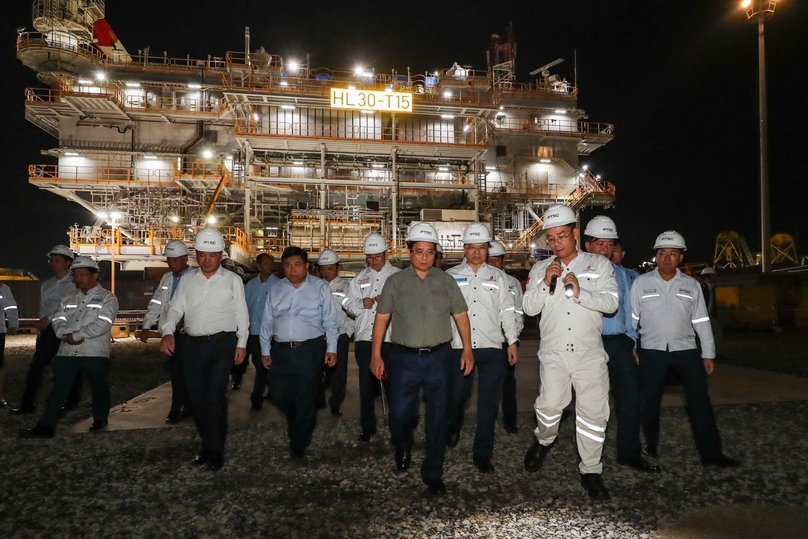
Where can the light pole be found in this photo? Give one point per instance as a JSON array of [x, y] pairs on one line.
[[758, 12]]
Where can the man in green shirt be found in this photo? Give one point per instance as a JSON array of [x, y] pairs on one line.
[[421, 301]]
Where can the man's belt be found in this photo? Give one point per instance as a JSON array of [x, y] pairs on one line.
[[295, 344], [610, 337], [211, 336], [423, 350]]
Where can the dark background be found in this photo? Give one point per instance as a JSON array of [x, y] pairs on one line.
[[678, 79]]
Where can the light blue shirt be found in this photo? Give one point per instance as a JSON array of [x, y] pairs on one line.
[[256, 293], [619, 322], [299, 314]]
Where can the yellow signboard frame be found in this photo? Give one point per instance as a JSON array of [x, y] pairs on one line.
[[348, 98]]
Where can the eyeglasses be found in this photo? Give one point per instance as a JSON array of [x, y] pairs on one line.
[[558, 239], [667, 254], [476, 247], [378, 256], [428, 252]]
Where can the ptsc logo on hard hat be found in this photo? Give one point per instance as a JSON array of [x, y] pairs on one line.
[[608, 229], [553, 216], [670, 238], [373, 244], [474, 233], [209, 242], [427, 232]]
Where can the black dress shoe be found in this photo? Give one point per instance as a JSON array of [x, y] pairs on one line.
[[24, 409], [39, 431], [594, 486], [365, 436], [216, 461], [535, 456], [200, 459], [641, 465], [435, 486], [98, 425], [452, 439], [3, 403], [335, 411], [721, 461], [649, 451], [403, 458], [510, 429], [483, 464], [297, 453], [174, 416]]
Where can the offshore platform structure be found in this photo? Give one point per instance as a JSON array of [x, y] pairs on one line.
[[276, 153]]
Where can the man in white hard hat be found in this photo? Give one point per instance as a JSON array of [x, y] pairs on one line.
[[257, 291], [421, 301], [491, 313], [496, 258], [668, 311], [708, 291], [176, 253], [299, 331], [336, 377], [620, 343], [84, 325], [47, 343], [217, 325], [572, 291], [360, 302], [9, 315]]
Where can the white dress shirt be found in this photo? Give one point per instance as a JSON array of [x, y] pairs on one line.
[[572, 324], [490, 307], [299, 314], [210, 305], [367, 284], [88, 317], [669, 314], [339, 291]]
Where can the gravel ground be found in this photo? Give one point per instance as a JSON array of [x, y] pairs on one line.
[[139, 483]]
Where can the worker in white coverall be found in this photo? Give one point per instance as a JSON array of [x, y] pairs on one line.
[[571, 290]]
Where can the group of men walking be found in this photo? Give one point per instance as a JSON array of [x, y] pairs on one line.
[[420, 334]]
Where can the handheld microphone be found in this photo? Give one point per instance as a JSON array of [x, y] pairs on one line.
[[553, 281]]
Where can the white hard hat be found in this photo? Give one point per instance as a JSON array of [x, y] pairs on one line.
[[175, 249], [209, 240], [439, 249], [62, 250], [558, 215], [476, 233], [375, 244], [601, 227], [495, 248], [422, 232], [228, 263], [328, 257], [670, 239], [84, 262], [708, 271]]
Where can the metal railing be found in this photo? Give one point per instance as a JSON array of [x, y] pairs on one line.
[[550, 126], [89, 175]]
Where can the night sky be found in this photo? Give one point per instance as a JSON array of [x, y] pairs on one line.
[[678, 79]]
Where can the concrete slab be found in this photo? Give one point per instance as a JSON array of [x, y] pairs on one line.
[[728, 385]]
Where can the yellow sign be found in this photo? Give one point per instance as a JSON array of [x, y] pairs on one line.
[[344, 98]]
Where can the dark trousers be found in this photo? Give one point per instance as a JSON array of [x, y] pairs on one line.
[[408, 372], [207, 362], [65, 371], [490, 365], [336, 377], [261, 372], [624, 376], [509, 410], [47, 345], [180, 401], [369, 386], [654, 368], [237, 371], [296, 378]]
